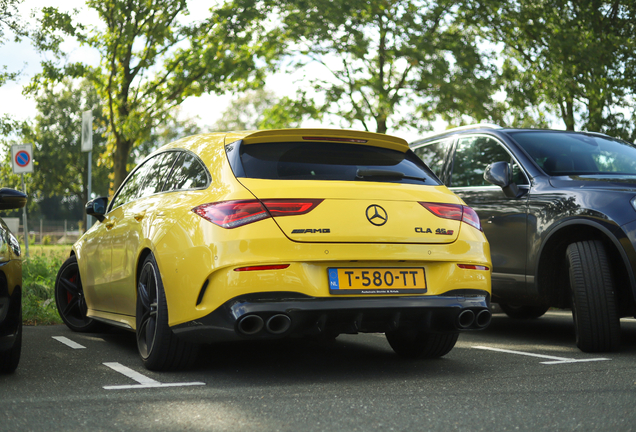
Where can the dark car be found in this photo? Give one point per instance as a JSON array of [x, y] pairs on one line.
[[10, 286], [559, 211]]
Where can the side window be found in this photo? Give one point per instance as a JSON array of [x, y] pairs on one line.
[[155, 176], [434, 154], [473, 154], [187, 173], [130, 189]]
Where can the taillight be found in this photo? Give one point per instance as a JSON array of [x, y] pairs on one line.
[[455, 212], [290, 207], [232, 214]]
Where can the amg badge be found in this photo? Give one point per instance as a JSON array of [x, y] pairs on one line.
[[311, 231]]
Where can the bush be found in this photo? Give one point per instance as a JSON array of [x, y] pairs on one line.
[[38, 285]]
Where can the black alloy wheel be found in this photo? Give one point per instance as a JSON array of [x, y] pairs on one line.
[[594, 303], [410, 343], [158, 347], [70, 300]]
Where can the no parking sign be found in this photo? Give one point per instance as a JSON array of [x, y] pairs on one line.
[[22, 158]]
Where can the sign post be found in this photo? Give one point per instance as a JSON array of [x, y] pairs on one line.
[[22, 161], [87, 146]]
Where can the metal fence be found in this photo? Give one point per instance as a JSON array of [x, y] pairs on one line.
[[43, 231]]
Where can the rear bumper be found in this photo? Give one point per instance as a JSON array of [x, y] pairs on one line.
[[279, 315]]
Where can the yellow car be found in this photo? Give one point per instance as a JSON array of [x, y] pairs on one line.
[[275, 234]]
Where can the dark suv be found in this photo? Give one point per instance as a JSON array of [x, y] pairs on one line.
[[559, 211]]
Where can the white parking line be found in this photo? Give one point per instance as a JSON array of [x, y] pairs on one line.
[[68, 342], [556, 360], [144, 381]]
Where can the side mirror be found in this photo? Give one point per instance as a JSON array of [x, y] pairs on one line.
[[499, 174], [11, 199], [97, 208]]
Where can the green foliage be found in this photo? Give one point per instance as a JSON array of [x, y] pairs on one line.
[[38, 281], [261, 109], [574, 58], [150, 62], [381, 61], [60, 167]]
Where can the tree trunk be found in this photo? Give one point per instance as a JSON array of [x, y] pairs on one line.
[[120, 160]]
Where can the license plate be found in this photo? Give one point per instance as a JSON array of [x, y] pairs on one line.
[[393, 280]]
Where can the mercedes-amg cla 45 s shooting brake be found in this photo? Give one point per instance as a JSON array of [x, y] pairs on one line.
[[279, 234]]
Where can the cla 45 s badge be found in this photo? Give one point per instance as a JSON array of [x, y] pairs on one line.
[[438, 231]]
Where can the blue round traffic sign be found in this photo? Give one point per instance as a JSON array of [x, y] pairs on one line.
[[22, 158]]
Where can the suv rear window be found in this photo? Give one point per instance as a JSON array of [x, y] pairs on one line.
[[333, 161]]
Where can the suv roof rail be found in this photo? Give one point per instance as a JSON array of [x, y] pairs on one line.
[[458, 128]]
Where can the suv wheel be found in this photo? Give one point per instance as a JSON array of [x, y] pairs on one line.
[[594, 307]]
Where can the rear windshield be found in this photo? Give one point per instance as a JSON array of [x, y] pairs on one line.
[[333, 161], [564, 153]]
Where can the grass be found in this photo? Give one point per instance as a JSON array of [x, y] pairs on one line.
[[38, 283]]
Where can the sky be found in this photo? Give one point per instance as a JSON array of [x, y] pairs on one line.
[[207, 109]]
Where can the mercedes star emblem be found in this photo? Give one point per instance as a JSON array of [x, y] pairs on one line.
[[377, 215]]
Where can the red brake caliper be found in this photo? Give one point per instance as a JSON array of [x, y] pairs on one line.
[[69, 297]]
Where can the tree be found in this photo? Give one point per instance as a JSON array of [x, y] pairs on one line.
[[261, 109], [576, 58], [60, 167], [151, 61], [9, 21], [390, 63]]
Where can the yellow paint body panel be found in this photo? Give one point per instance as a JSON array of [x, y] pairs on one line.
[[190, 250]]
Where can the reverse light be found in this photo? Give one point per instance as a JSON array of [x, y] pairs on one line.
[[455, 212], [233, 214], [472, 267], [262, 267]]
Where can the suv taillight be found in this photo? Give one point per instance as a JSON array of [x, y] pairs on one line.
[[455, 212], [232, 214]]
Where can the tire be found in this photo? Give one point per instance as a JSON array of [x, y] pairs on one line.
[[594, 305], [10, 358], [159, 348], [523, 312], [70, 300], [411, 343]]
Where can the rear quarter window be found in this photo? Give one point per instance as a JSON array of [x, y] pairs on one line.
[[332, 161]]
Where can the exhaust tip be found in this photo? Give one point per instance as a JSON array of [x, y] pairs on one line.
[[465, 319], [278, 324], [250, 324], [483, 318]]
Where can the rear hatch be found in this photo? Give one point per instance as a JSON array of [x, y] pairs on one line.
[[344, 187]]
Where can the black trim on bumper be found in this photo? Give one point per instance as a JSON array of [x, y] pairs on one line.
[[277, 315]]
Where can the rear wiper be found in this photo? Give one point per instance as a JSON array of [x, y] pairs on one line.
[[366, 173]]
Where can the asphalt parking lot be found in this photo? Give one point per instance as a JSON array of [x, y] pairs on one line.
[[516, 375]]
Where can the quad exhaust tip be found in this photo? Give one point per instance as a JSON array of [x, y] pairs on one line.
[[278, 324], [483, 318], [250, 324], [465, 319]]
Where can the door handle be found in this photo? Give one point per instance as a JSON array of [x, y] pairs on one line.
[[139, 216], [109, 224]]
